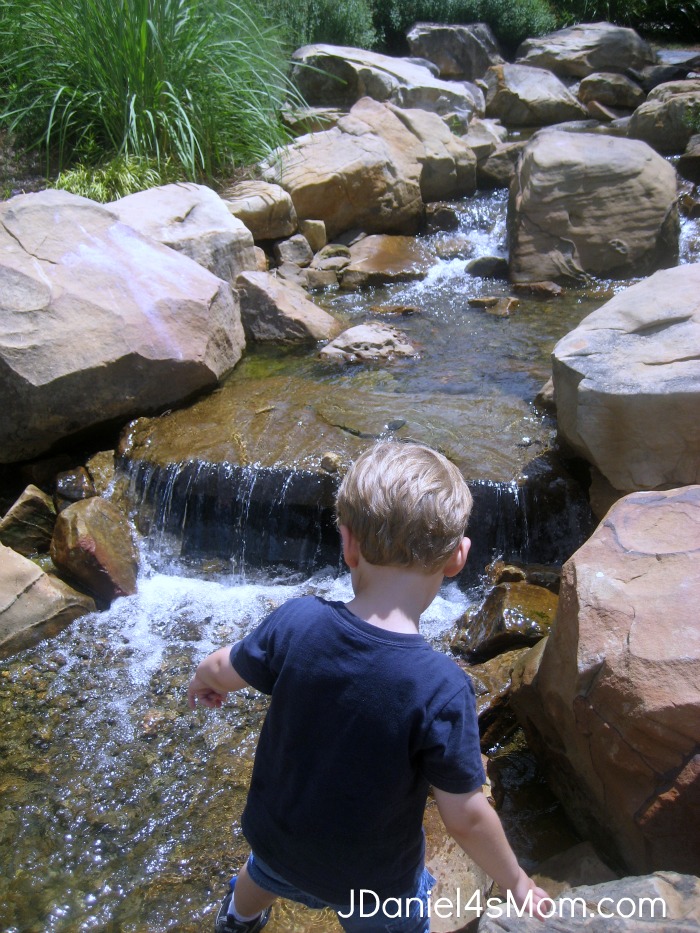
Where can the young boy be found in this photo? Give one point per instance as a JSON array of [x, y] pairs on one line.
[[364, 717]]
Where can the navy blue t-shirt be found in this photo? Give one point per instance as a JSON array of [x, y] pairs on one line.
[[361, 722]]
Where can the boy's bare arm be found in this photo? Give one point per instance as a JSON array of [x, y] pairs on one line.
[[472, 822], [214, 679]]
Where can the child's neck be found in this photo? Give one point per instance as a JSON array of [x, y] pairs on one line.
[[392, 598]]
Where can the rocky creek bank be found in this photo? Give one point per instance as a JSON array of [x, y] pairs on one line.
[[112, 315]]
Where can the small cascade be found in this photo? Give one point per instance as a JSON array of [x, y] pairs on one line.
[[255, 518]]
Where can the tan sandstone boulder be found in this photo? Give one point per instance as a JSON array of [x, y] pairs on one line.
[[585, 204], [613, 711], [98, 322], [194, 220], [363, 173], [265, 209], [382, 259], [280, 311], [664, 119], [627, 383], [33, 604], [519, 95], [585, 48], [92, 544]]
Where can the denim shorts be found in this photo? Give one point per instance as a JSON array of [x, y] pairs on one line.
[[406, 914]]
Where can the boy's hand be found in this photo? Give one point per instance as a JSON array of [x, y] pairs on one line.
[[200, 693], [522, 889]]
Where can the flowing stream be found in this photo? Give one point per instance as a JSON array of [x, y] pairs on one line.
[[118, 803]]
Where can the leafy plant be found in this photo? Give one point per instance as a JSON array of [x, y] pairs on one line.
[[116, 178], [199, 82], [310, 21]]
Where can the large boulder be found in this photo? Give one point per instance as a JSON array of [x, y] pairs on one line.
[[613, 709], [278, 311], [33, 604], [364, 173], [580, 50], [611, 90], [92, 544], [584, 204], [664, 119], [519, 95], [98, 322], [336, 76], [460, 52], [194, 220], [627, 384]]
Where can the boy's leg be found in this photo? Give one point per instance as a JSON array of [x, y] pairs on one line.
[[249, 898]]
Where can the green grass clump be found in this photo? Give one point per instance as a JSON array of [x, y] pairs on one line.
[[116, 178], [199, 82]]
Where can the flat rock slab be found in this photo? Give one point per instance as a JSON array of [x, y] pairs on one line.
[[627, 383], [383, 259]]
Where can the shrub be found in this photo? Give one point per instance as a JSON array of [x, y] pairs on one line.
[[196, 81], [678, 19], [511, 20], [337, 23]]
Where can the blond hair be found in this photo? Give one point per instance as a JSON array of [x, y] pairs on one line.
[[406, 504]]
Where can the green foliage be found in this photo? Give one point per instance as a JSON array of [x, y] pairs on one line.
[[199, 82], [511, 20], [116, 178], [337, 22], [678, 19]]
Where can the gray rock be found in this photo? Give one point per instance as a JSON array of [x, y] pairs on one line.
[[664, 119], [611, 90], [460, 52], [583, 205], [520, 95], [281, 311], [628, 387], [295, 250], [586, 48], [28, 524], [368, 342]]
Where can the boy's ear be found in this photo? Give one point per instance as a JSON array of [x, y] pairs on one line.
[[351, 549], [458, 558]]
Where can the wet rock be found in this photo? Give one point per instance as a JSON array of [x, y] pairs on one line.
[[338, 76], [33, 605], [333, 257], [539, 289], [519, 95], [611, 90], [368, 342], [28, 524], [295, 250], [193, 220], [99, 323], [460, 52], [92, 544], [440, 216], [499, 307], [266, 209], [512, 615], [280, 311], [664, 120], [581, 50], [620, 218], [689, 163], [381, 260], [455, 246], [627, 384], [488, 267], [101, 470], [612, 710], [72, 486]]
